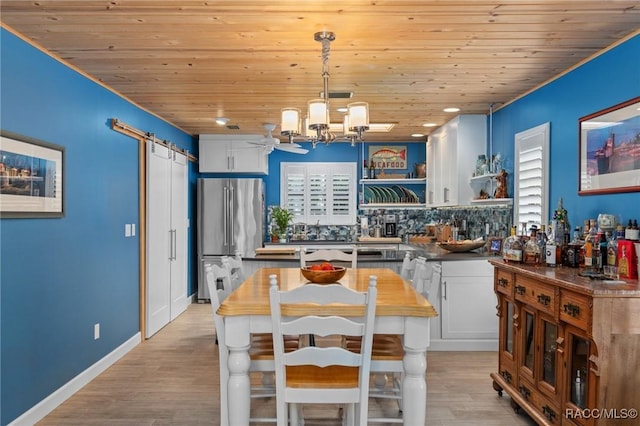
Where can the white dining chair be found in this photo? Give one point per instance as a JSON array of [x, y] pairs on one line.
[[408, 267], [236, 267], [322, 375], [328, 255], [260, 353], [425, 275]]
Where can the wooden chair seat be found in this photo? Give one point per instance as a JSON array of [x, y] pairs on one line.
[[310, 376]]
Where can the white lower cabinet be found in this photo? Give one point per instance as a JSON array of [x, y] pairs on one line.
[[466, 305]]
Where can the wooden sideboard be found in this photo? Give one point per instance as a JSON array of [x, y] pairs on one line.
[[555, 325]]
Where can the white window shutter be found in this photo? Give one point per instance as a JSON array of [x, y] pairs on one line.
[[531, 184], [322, 193]]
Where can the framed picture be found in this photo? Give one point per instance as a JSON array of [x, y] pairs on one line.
[[388, 157], [610, 150], [495, 245], [31, 177]]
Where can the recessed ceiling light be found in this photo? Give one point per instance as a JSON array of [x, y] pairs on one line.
[[342, 109], [451, 109], [429, 125], [222, 120], [417, 135]]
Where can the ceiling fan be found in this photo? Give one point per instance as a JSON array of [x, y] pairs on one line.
[[270, 143]]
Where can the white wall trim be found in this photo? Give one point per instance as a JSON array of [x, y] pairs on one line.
[[48, 404]]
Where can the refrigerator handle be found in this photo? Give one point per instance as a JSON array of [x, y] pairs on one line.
[[225, 206], [232, 216]]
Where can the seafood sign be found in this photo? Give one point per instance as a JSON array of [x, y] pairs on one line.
[[387, 157]]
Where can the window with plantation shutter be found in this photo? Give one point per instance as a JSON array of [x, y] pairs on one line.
[[322, 193], [531, 183]]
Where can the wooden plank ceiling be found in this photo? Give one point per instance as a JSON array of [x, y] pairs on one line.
[[190, 61]]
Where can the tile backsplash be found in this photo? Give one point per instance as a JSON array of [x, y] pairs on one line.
[[497, 219]]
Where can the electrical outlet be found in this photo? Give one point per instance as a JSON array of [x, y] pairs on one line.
[[133, 229], [127, 229], [96, 331]]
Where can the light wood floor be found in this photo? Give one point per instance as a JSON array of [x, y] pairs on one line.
[[172, 379]]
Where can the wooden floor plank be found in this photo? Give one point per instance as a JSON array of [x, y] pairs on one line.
[[172, 379]]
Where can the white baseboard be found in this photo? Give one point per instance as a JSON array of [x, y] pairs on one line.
[[47, 405]]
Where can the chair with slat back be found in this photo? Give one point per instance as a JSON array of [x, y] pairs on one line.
[[322, 375], [328, 255], [408, 267], [425, 275], [236, 267], [260, 353]]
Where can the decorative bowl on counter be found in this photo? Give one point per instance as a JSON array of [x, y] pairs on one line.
[[324, 277], [461, 246]]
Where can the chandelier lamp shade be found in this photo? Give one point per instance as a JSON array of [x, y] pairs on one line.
[[315, 126]]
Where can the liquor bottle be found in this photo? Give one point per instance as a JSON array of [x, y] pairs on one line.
[[612, 250], [542, 243], [531, 248], [635, 232], [573, 249], [372, 170], [551, 248], [589, 247], [628, 230], [512, 248], [365, 170], [604, 238]]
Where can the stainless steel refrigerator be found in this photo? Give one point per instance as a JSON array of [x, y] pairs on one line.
[[230, 221]]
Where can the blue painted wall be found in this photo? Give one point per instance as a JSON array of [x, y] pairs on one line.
[[607, 80], [61, 276]]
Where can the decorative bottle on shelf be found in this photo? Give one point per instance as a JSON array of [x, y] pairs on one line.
[[512, 248], [365, 170], [372, 169]]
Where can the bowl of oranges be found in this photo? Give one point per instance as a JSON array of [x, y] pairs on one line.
[[323, 273]]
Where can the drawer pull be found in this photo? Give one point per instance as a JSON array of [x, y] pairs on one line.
[[520, 289], [506, 375], [544, 299], [571, 309], [549, 413], [525, 392], [503, 282]]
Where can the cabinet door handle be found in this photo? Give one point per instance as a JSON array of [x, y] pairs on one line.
[[571, 309], [225, 207], [520, 289], [503, 282], [549, 413], [444, 290], [170, 244], [543, 299], [525, 392], [506, 375], [445, 194]]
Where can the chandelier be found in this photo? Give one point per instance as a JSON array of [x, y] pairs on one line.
[[316, 124]]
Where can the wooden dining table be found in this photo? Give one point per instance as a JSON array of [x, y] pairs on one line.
[[399, 310]]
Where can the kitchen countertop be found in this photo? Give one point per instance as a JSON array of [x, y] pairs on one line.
[[370, 252]]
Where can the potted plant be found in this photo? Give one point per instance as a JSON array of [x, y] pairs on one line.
[[282, 217]]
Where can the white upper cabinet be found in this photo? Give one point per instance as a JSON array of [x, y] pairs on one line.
[[452, 151], [232, 154]]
